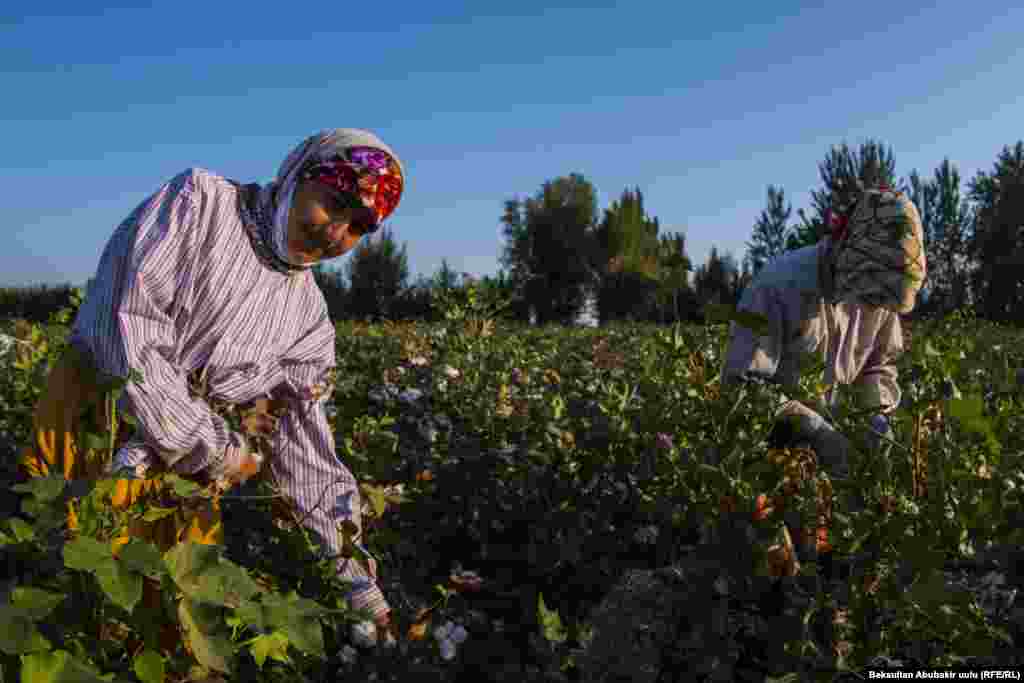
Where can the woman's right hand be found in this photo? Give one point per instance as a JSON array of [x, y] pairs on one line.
[[238, 464]]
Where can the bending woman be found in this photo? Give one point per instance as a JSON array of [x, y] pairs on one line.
[[838, 300], [207, 289]]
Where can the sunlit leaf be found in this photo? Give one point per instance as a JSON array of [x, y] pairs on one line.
[[269, 645], [35, 603], [550, 622], [58, 666], [149, 666]]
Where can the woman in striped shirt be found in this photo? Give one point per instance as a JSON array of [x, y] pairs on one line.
[[211, 280]]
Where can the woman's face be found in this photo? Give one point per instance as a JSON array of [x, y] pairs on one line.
[[320, 226]]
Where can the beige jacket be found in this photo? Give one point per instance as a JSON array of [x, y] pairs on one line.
[[858, 343]]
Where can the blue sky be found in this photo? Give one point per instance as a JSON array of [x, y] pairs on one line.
[[700, 105]]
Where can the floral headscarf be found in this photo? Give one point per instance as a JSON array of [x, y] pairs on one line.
[[877, 251], [348, 159]]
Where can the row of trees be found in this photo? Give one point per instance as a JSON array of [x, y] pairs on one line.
[[973, 231], [561, 252]]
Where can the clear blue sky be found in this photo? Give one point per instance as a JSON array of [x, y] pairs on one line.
[[700, 105]]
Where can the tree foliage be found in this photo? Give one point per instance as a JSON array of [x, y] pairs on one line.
[[549, 247], [377, 272], [996, 242], [770, 230]]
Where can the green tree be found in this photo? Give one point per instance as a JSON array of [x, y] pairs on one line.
[[947, 219], [771, 230], [445, 277], [674, 293], [628, 247], [377, 272], [715, 281], [332, 285], [996, 242], [549, 246]]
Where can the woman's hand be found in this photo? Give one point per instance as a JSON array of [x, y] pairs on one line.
[[239, 464]]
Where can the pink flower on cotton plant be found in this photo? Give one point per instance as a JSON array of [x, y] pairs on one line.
[[664, 441]]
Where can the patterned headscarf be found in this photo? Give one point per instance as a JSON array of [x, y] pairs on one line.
[[350, 160], [877, 252]]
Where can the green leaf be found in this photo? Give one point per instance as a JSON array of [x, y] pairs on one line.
[[87, 554], [43, 489], [18, 633], [967, 408], [273, 645], [149, 667], [377, 498], [182, 487], [297, 618], [153, 514], [57, 667], [930, 591], [35, 603], [94, 442], [208, 640], [205, 576], [144, 558], [551, 624], [104, 487], [122, 586], [22, 530]]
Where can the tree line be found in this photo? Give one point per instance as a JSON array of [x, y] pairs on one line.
[[560, 251]]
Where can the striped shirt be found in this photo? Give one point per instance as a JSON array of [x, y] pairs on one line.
[[179, 287]]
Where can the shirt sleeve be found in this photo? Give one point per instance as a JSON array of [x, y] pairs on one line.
[[319, 483], [877, 386], [751, 355], [126, 323]]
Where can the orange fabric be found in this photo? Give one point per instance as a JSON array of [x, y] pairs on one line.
[[73, 398]]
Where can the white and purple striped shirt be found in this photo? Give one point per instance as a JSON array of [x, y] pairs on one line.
[[179, 287]]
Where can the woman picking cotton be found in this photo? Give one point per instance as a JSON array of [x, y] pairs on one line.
[[839, 300], [207, 290]]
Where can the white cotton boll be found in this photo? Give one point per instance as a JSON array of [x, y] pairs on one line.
[[364, 634], [452, 373], [441, 632], [348, 654], [458, 635], [447, 650]]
